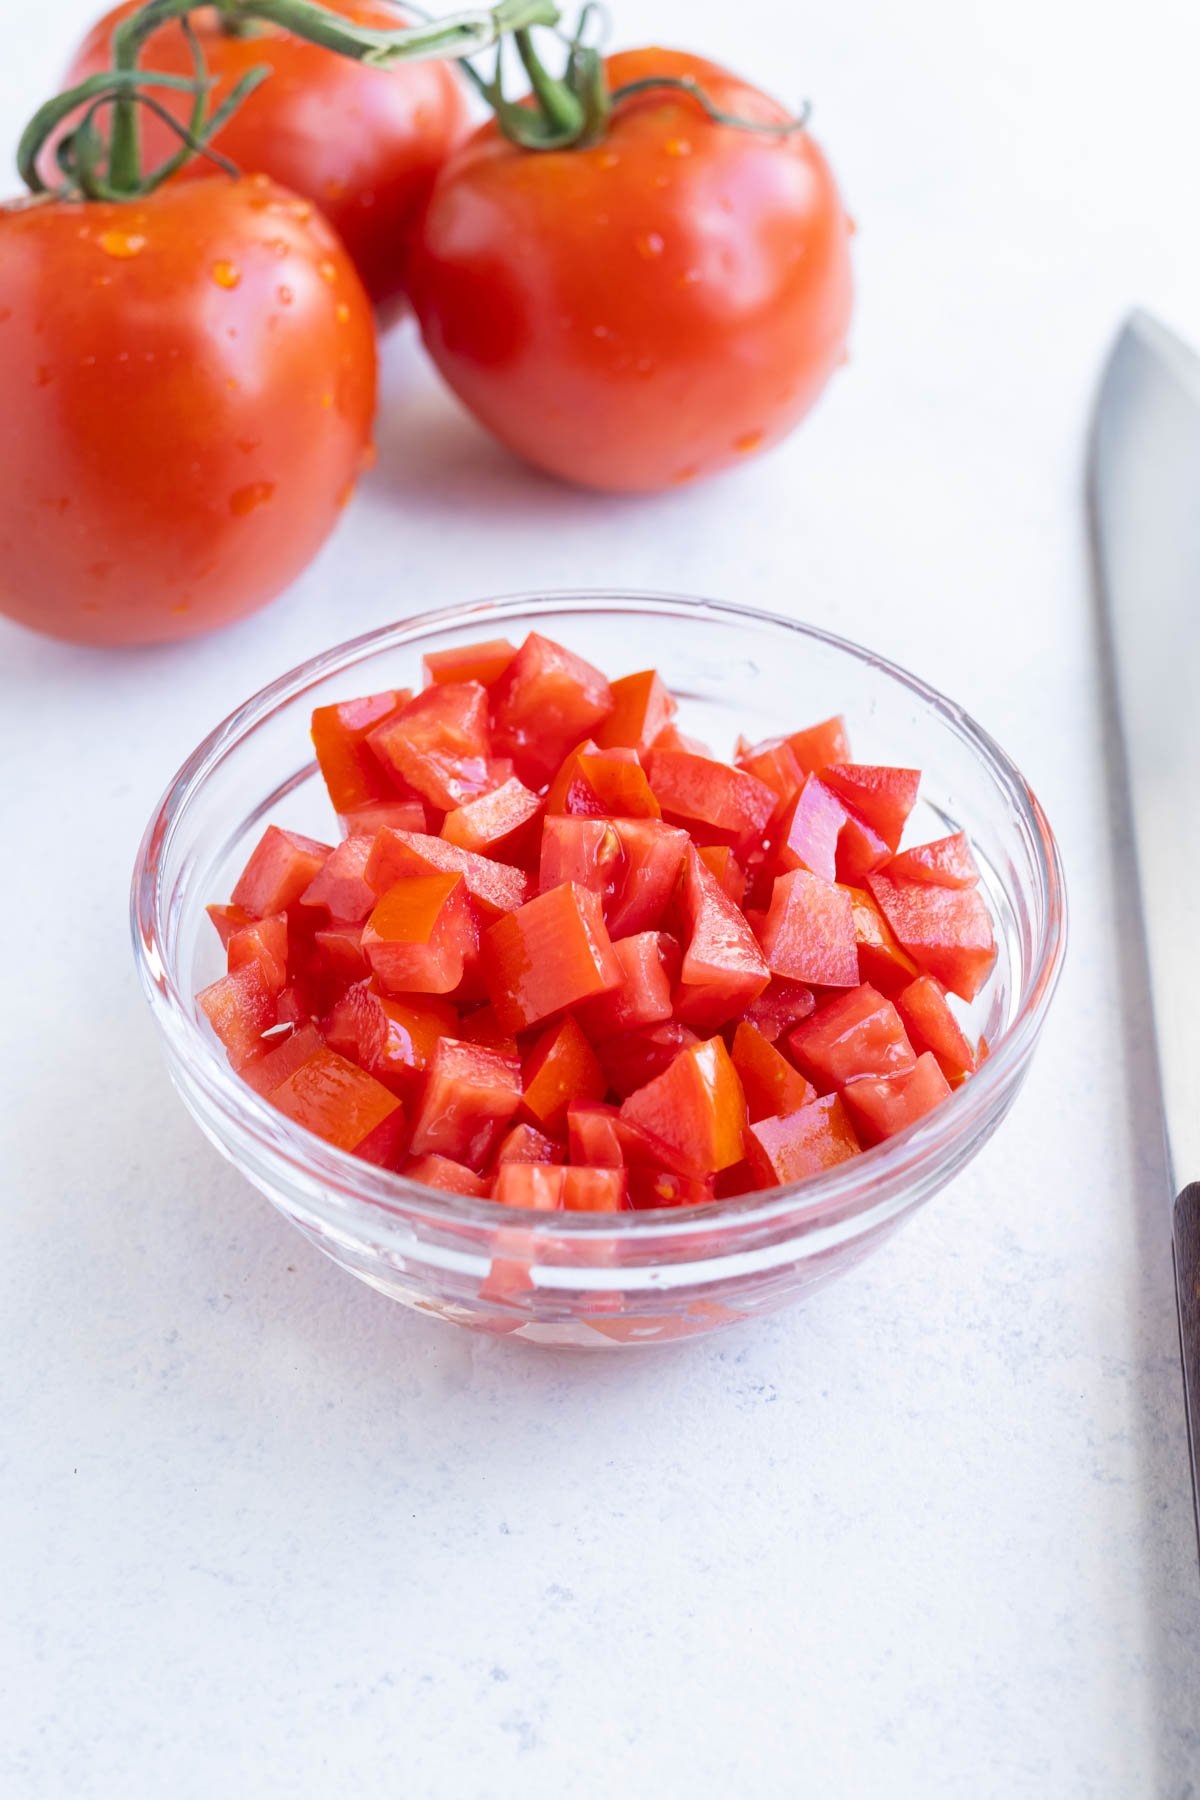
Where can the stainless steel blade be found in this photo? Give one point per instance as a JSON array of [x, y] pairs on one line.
[[1146, 497]]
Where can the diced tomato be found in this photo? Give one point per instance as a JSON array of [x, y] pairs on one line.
[[636, 1057], [493, 886], [717, 803], [442, 1172], [239, 1007], [340, 884], [773, 762], [820, 744], [593, 1138], [731, 1184], [227, 920], [561, 1068], [536, 1186], [947, 862], [602, 784], [932, 1026], [860, 850], [808, 933], [470, 1096], [439, 744], [802, 1143], [650, 1189], [393, 1039], [585, 851], [671, 738], [723, 968], [882, 1106], [265, 942], [595, 1190], [809, 831], [695, 1111], [727, 869], [421, 935], [501, 824], [779, 1007], [481, 1026], [946, 931], [526, 1144], [642, 706], [352, 774], [653, 856], [340, 947], [484, 663], [278, 872], [883, 797], [881, 960], [770, 1083], [546, 700], [401, 815], [281, 1057], [649, 961], [551, 954], [855, 1034], [344, 1105]]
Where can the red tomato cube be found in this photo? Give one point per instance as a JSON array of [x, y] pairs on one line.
[[502, 824], [652, 859], [595, 1190], [560, 1069], [421, 935], [593, 1137], [855, 1034], [484, 663], [861, 850], [808, 933], [526, 1144], [265, 942], [717, 803], [536, 1186], [770, 1083], [809, 831], [344, 1105], [779, 1007], [695, 1111], [584, 851], [642, 705], [945, 863], [881, 960], [340, 885], [493, 886], [820, 745], [719, 858], [393, 1039], [278, 872], [549, 955], [773, 762], [803, 1143], [883, 797], [340, 949], [650, 1189], [470, 1096], [547, 700], [946, 931], [882, 1106], [281, 1057], [723, 968], [648, 962], [439, 744], [932, 1026], [352, 774], [452, 1177], [602, 784], [636, 1057], [239, 1007]]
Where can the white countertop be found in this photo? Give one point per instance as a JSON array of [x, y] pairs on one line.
[[265, 1532]]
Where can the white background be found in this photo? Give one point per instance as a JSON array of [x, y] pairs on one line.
[[264, 1532]]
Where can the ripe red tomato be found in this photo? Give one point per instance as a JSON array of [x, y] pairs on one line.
[[648, 309], [189, 383], [364, 144]]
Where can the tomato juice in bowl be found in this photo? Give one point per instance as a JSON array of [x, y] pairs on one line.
[[629, 1277]]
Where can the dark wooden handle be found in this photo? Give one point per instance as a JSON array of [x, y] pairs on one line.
[[1187, 1288]]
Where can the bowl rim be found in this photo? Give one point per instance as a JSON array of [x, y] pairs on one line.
[[877, 1182]]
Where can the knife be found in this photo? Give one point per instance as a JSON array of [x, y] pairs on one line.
[[1145, 498]]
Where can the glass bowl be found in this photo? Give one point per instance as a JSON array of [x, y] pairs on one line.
[[579, 1278]]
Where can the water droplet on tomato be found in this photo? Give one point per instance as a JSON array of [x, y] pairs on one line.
[[226, 274], [749, 441], [327, 271], [677, 147], [245, 499], [302, 210], [649, 245], [121, 244]]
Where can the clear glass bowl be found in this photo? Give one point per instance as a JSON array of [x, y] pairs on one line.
[[580, 1278]]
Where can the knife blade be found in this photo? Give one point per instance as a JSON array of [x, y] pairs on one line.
[[1145, 500]]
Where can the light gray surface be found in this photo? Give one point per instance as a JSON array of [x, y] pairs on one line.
[[266, 1533]]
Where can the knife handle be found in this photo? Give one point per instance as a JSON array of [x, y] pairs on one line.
[[1187, 1290]]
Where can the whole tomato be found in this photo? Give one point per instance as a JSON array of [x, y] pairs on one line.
[[647, 309], [364, 144], [189, 383]]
